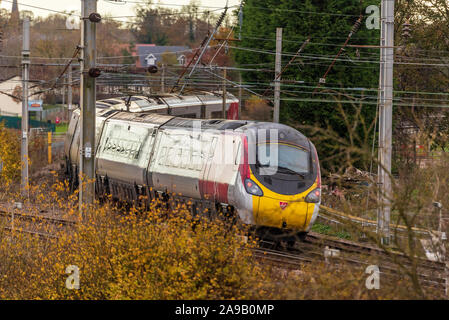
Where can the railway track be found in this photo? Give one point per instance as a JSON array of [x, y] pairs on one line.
[[35, 224], [338, 217], [316, 247]]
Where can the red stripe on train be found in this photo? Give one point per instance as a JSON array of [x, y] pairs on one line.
[[212, 190], [233, 111]]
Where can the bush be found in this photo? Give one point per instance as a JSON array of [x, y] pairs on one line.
[[9, 156], [132, 256]]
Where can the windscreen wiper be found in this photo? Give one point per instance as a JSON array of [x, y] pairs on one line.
[[287, 170]]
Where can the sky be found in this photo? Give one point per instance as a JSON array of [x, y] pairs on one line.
[[105, 6]]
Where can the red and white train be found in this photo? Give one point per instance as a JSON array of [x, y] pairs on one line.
[[203, 105], [213, 163]]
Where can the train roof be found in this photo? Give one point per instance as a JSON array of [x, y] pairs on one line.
[[140, 103], [286, 133], [175, 122]]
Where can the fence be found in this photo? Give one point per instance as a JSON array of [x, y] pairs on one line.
[[16, 123], [51, 114]]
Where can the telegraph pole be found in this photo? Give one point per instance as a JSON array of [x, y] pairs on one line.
[[277, 79], [88, 74], [224, 94], [385, 119], [25, 79], [69, 92], [163, 79], [81, 99]]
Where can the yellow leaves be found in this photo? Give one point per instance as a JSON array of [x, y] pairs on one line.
[[137, 254]]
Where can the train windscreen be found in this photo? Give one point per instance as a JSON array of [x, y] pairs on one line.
[[290, 159], [284, 168]]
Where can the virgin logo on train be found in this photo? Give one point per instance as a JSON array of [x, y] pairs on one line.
[[283, 205]]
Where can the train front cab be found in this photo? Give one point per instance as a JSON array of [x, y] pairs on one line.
[[287, 202]]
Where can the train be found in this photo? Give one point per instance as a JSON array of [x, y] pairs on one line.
[[202, 105], [266, 175]]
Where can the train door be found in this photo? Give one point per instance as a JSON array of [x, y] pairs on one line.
[[210, 144], [176, 163], [223, 167]]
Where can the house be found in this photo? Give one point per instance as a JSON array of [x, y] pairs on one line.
[[11, 97], [150, 54]]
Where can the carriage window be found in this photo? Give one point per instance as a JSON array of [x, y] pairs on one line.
[[189, 115], [170, 161], [163, 156], [216, 114], [185, 158], [196, 162], [177, 158]]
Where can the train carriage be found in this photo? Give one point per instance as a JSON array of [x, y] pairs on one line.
[[203, 105], [266, 174]]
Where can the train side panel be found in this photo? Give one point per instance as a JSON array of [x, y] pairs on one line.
[[221, 167], [177, 162], [124, 151]]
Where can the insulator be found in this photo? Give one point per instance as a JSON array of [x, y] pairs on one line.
[[356, 26], [220, 20], [406, 30], [94, 72], [95, 17], [152, 69]]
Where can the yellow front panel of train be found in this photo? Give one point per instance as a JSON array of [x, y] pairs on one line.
[[282, 214], [282, 211]]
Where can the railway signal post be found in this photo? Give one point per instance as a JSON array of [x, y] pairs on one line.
[[25, 79], [90, 18], [385, 119]]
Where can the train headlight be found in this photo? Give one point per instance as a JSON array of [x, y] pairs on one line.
[[314, 196], [252, 188]]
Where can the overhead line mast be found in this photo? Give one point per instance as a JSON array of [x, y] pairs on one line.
[[90, 18], [385, 119], [25, 78]]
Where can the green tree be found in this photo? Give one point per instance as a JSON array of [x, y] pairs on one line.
[[163, 26], [152, 23], [328, 24]]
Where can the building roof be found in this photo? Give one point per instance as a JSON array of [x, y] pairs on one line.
[[144, 51]]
